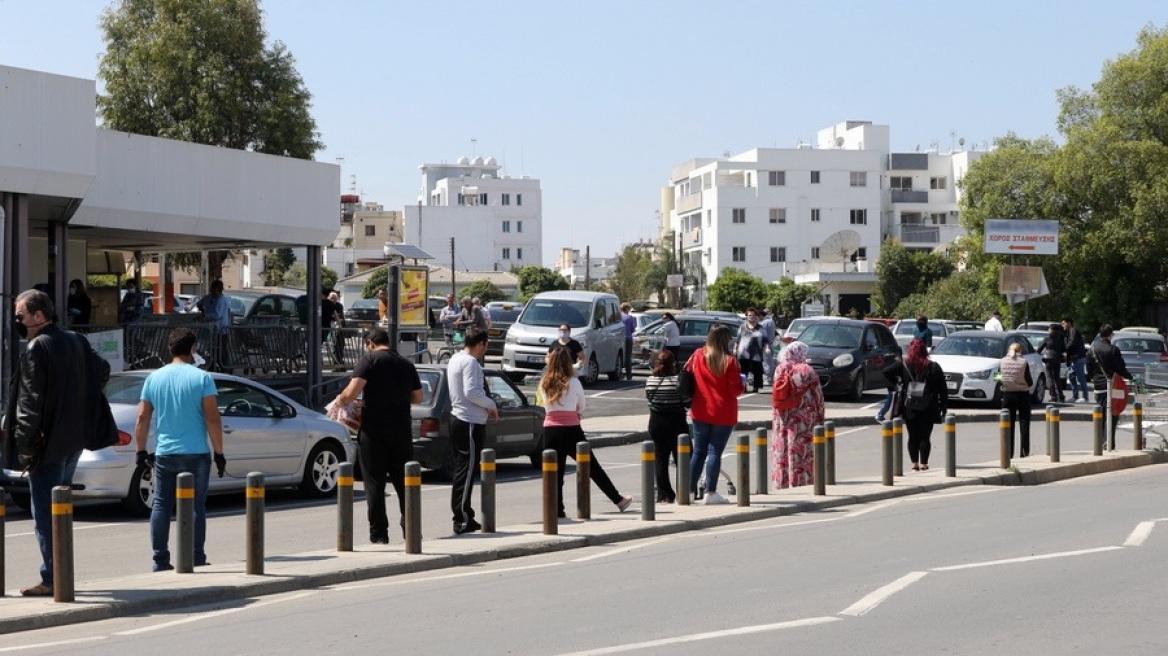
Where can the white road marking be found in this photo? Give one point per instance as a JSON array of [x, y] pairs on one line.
[[1139, 534], [876, 597], [854, 430], [709, 635], [213, 614], [1024, 559], [872, 405], [623, 549], [441, 577], [45, 645], [76, 527]]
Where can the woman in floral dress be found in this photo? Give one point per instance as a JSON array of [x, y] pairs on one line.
[[791, 455]]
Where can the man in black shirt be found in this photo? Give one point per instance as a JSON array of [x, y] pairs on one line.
[[385, 441], [1103, 362]]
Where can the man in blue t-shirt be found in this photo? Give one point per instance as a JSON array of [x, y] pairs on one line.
[[181, 397]]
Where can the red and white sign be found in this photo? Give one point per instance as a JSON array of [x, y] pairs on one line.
[[1021, 237]]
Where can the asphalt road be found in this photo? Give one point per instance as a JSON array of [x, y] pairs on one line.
[[1062, 568]]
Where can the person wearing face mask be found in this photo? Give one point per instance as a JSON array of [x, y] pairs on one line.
[[79, 304], [923, 332], [752, 342], [130, 308], [55, 409], [565, 341]]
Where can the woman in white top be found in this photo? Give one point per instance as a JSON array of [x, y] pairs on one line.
[[562, 395], [672, 335]]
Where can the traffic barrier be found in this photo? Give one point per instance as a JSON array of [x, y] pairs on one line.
[[648, 480], [951, 445], [184, 512], [583, 480], [1048, 409], [886, 452], [1054, 434], [1138, 426], [1005, 439], [255, 523], [3, 566], [62, 509], [761, 461], [898, 447], [819, 451], [413, 485], [1097, 426], [829, 449], [550, 493], [487, 468], [684, 453], [742, 447], [345, 507]]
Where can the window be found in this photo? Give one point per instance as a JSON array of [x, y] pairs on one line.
[[738, 254], [370, 231], [483, 198], [506, 253], [815, 177], [239, 400], [518, 199], [901, 183], [778, 215], [506, 226], [859, 217], [861, 253], [738, 215], [815, 214], [519, 253], [815, 252], [778, 254], [461, 199], [938, 218], [518, 226], [506, 199], [859, 178], [749, 179], [938, 183], [503, 394], [777, 178]]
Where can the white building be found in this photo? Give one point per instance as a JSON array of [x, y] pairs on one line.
[[815, 214], [578, 269], [496, 222], [360, 243]]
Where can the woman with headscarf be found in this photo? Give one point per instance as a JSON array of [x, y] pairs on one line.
[[922, 384], [79, 304], [714, 409], [791, 427]]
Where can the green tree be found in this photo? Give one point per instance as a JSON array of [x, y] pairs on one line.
[[484, 290], [786, 297], [535, 279], [378, 281], [629, 277], [963, 295], [328, 277], [276, 262], [296, 277], [735, 290], [901, 273]]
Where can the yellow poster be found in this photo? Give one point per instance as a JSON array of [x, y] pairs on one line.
[[413, 290]]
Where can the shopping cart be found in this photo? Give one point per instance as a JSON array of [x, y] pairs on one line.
[[1151, 391]]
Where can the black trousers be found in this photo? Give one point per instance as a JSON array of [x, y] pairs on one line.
[[664, 427], [752, 368], [563, 439], [1053, 380], [1018, 403], [383, 459], [467, 440], [920, 430]]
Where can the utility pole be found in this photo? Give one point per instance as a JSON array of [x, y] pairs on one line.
[[452, 269], [587, 267]]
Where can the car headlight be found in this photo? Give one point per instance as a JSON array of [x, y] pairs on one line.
[[980, 375], [510, 339], [844, 360]]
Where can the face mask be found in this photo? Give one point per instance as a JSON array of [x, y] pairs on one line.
[[72, 290], [21, 329], [564, 334]]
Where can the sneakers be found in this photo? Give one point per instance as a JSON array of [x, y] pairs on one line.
[[1082, 400], [38, 590], [469, 527], [624, 503], [715, 499], [879, 419]]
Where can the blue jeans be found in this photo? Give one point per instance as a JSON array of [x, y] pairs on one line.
[[1079, 377], [885, 408], [709, 440], [41, 482], [166, 471]]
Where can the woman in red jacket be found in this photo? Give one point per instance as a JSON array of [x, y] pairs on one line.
[[717, 385]]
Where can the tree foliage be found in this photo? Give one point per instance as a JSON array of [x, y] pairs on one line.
[[484, 290], [901, 273], [735, 290], [629, 279], [535, 279], [296, 277], [276, 262], [786, 298], [962, 295], [377, 281]]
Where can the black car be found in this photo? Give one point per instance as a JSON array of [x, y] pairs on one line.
[[691, 327], [849, 355], [363, 313], [518, 432], [503, 314]]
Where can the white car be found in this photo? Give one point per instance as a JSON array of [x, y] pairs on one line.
[[971, 360]]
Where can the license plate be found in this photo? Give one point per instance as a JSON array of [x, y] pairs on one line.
[[494, 333], [952, 386], [535, 358]]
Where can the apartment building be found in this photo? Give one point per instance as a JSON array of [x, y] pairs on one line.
[[364, 231]]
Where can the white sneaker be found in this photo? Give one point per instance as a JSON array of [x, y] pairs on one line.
[[715, 499], [1081, 401]]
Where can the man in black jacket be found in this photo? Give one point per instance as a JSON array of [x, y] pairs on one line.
[[50, 414], [1103, 362], [1076, 361]]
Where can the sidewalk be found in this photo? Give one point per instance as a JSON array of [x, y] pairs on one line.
[[151, 593]]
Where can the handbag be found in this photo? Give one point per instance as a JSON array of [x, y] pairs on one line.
[[686, 382]]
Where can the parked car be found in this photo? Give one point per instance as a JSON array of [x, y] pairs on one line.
[[849, 354], [362, 313], [906, 328], [184, 303], [595, 320], [643, 319], [503, 314], [1140, 329], [971, 360], [1035, 338], [1140, 349], [692, 328], [249, 306], [1035, 325], [517, 433], [796, 327], [263, 431]]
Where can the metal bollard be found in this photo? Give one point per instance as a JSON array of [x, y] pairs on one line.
[[951, 445], [1005, 440], [1048, 409], [583, 480], [184, 512], [819, 453], [761, 462], [345, 507], [742, 447], [413, 485], [255, 523], [487, 469], [550, 493], [648, 480], [684, 451], [1138, 426], [62, 507], [886, 452], [1054, 434], [1097, 425], [898, 447], [829, 449], [3, 512]]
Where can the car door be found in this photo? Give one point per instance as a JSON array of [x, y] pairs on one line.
[[1033, 358], [873, 357], [515, 433], [693, 336], [259, 432]]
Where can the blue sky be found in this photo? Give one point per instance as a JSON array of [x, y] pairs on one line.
[[599, 99]]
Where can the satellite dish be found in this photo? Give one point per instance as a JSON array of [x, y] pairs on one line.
[[961, 141], [839, 142], [839, 247]]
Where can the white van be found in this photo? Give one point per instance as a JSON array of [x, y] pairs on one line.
[[595, 319]]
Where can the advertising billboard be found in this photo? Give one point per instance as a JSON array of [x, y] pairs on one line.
[[413, 290]]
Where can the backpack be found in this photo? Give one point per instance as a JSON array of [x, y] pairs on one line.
[[916, 397], [785, 395]]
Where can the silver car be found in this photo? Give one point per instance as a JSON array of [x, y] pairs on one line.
[[263, 431], [1140, 349]]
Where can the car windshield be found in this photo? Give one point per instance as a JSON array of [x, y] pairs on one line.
[[553, 312], [830, 335], [798, 325], [124, 389], [1035, 338], [1139, 344], [240, 306], [429, 380], [364, 304], [910, 327], [972, 346], [506, 316]]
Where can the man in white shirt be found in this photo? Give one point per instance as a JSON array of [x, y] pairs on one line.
[[449, 314], [470, 410], [672, 335], [995, 323]]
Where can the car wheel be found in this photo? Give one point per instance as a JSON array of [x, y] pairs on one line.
[[140, 497], [21, 500], [615, 374], [857, 391], [321, 470], [1039, 390], [591, 371]]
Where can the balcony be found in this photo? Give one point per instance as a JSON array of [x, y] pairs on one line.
[[920, 234], [689, 202], [792, 269], [691, 238], [909, 196]]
